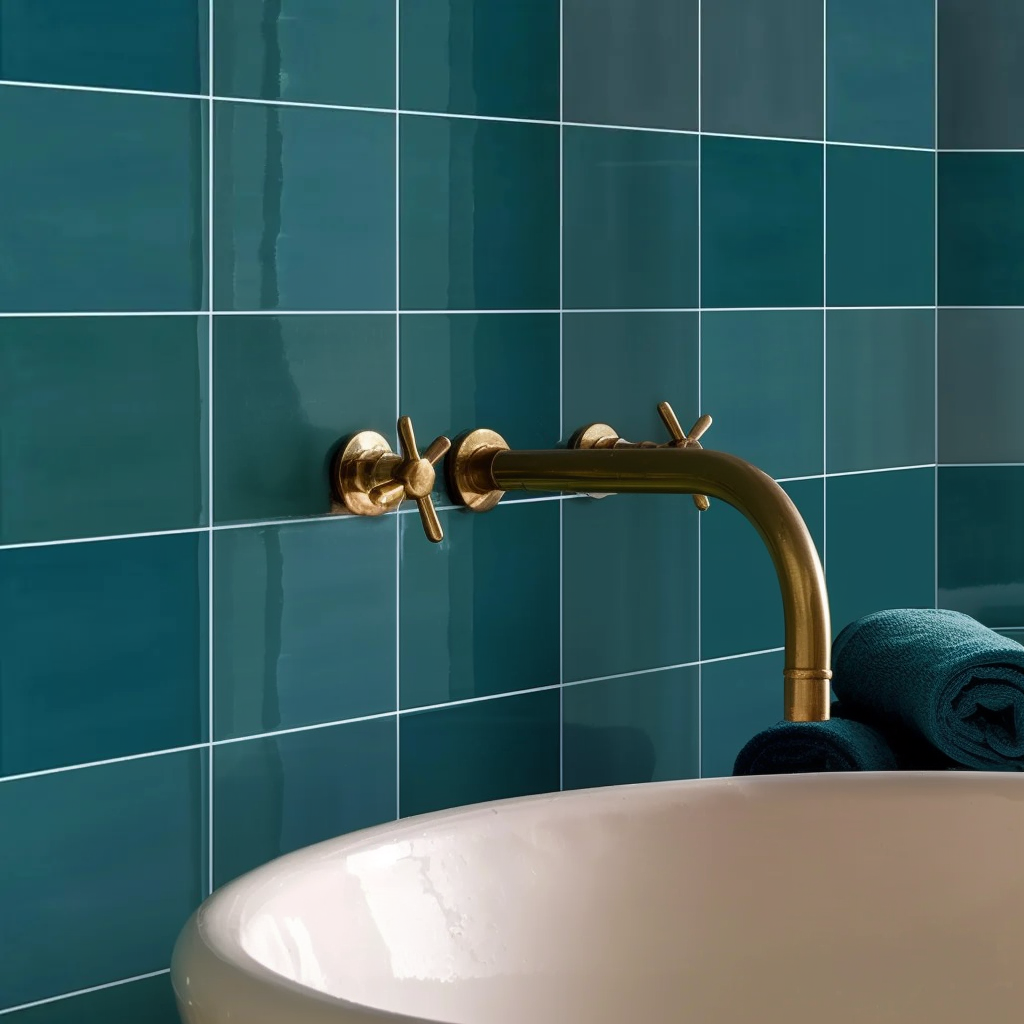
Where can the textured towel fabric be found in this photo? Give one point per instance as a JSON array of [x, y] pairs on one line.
[[838, 745], [935, 677]]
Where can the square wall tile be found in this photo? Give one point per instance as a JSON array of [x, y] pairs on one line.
[[880, 388], [761, 381], [102, 426], [880, 60], [617, 367], [481, 57], [305, 51], [479, 611], [134, 614], [304, 624], [102, 861], [279, 793], [738, 699], [761, 223], [479, 214], [762, 68], [981, 366], [463, 371], [631, 64], [644, 728], [981, 80], [741, 605], [484, 750], [981, 544], [104, 208], [630, 219], [981, 229], [881, 227], [119, 44], [150, 1000], [304, 208], [629, 584], [286, 390], [881, 543]]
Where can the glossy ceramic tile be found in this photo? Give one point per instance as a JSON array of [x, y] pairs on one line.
[[629, 584], [103, 426], [762, 68], [481, 57], [460, 372], [304, 208], [981, 80], [981, 229], [617, 367], [981, 365], [738, 698], [306, 51], [761, 381], [479, 221], [761, 223], [484, 750], [104, 209], [150, 1001], [286, 391], [643, 728], [304, 622], [740, 605], [629, 64], [881, 409], [630, 216], [881, 227], [981, 544], [119, 44], [101, 861], [280, 793], [102, 650], [881, 543], [479, 612], [880, 61]]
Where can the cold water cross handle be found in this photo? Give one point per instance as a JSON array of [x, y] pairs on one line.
[[414, 478], [681, 440]]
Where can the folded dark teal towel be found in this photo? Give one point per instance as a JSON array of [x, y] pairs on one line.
[[936, 677], [838, 745]]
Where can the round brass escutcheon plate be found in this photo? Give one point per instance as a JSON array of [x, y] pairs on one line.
[[594, 435], [353, 473], [468, 469]]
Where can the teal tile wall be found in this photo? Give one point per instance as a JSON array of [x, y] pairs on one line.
[[981, 287], [237, 231]]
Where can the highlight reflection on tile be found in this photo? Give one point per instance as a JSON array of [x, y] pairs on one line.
[[303, 624]]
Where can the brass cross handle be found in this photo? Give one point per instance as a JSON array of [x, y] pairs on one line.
[[683, 440], [414, 478]]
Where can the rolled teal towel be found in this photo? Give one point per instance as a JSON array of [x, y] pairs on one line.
[[838, 745], [937, 677]]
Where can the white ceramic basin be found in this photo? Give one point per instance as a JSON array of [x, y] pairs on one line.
[[791, 899]]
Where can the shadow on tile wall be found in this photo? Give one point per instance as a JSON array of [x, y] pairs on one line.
[[242, 232]]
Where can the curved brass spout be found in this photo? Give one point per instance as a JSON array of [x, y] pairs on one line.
[[481, 467]]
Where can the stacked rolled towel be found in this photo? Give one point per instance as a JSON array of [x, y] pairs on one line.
[[937, 678], [917, 688]]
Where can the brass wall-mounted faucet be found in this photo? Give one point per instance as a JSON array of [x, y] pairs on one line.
[[482, 467]]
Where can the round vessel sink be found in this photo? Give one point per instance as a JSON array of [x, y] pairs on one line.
[[793, 899]]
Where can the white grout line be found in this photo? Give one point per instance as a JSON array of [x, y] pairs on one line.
[[700, 373], [209, 456], [935, 296], [479, 700], [398, 406], [63, 87], [293, 730], [824, 287], [561, 389], [884, 469], [19, 545], [101, 763], [981, 465], [85, 991], [36, 314], [746, 654]]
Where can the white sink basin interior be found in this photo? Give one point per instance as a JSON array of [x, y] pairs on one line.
[[797, 899]]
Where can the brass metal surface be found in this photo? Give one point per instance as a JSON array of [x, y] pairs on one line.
[[482, 468], [369, 479]]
